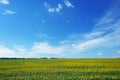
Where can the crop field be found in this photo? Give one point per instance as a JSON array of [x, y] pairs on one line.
[[60, 69]]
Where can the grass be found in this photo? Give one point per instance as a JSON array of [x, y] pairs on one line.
[[59, 69]]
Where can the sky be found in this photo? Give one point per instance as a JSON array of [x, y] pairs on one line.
[[60, 28]]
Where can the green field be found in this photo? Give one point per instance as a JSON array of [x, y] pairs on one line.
[[59, 69]]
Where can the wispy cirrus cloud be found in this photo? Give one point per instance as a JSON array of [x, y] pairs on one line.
[[4, 2], [104, 35], [6, 11], [9, 12], [93, 34], [110, 17], [79, 47]]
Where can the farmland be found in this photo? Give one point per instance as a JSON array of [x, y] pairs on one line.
[[60, 69]]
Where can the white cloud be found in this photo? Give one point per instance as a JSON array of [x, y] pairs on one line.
[[20, 49], [57, 8], [9, 12], [6, 52], [68, 3], [51, 9], [45, 48], [5, 2], [17, 51]]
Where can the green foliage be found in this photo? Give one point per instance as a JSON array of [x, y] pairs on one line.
[[59, 69]]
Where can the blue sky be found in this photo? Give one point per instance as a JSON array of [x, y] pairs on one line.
[[60, 28]]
